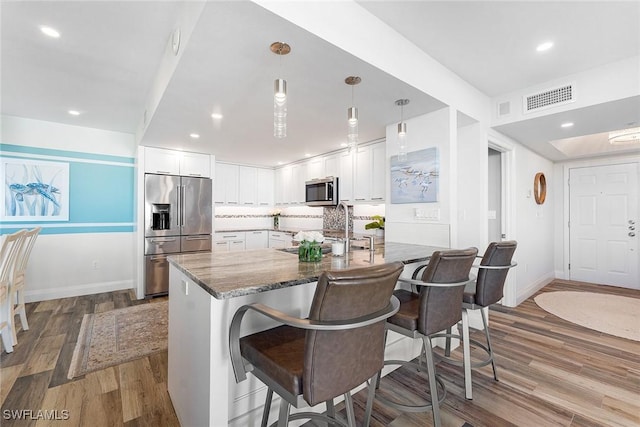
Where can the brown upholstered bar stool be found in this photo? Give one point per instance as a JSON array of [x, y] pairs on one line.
[[486, 290], [8, 255], [339, 347], [434, 308], [18, 281]]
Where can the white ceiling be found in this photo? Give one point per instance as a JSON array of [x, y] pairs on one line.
[[109, 52]]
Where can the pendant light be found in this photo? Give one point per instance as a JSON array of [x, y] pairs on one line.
[[352, 114], [402, 132], [280, 95]]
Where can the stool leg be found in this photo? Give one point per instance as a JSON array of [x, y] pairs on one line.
[[267, 408], [351, 415], [283, 416], [433, 386], [447, 347], [372, 392], [466, 349], [331, 411], [486, 334]]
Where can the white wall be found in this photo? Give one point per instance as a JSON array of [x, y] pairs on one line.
[[472, 173], [429, 130], [64, 265]]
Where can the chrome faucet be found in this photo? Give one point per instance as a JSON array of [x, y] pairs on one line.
[[346, 225]]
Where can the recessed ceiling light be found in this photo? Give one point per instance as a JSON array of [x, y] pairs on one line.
[[216, 116], [280, 163], [567, 125], [307, 155], [344, 144], [74, 112], [194, 135], [51, 32], [544, 46]]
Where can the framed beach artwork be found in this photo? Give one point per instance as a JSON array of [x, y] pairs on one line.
[[34, 190], [416, 179]]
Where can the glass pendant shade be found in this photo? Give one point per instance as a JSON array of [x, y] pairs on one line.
[[403, 146], [352, 131], [280, 108]]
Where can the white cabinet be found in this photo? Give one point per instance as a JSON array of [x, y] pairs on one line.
[[370, 173], [193, 164], [226, 184], [256, 239], [378, 172], [171, 162], [331, 165], [265, 187], [315, 168], [279, 240], [345, 176], [298, 178], [227, 242], [247, 185]]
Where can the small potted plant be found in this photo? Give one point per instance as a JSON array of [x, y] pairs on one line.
[[377, 225]]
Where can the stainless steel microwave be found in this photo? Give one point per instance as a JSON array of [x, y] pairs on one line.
[[322, 192]]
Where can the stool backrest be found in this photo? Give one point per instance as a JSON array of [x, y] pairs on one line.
[[338, 361], [441, 307], [490, 282]]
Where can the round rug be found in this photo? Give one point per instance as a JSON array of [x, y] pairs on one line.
[[611, 314]]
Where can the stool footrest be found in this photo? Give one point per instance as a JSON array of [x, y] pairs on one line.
[[412, 408]]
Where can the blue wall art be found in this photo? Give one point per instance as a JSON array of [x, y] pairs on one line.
[[34, 190], [416, 179]]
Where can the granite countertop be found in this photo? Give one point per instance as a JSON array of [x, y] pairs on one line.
[[232, 274]]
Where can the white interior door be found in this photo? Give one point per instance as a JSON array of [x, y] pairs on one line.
[[603, 216]]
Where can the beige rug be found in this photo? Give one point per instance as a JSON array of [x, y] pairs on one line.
[[118, 336], [611, 314]]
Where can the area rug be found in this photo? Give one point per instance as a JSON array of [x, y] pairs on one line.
[[118, 336], [611, 314]]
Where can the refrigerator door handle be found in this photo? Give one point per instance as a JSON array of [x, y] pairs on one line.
[[178, 188], [182, 196]]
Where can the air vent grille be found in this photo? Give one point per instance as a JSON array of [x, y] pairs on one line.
[[549, 98]]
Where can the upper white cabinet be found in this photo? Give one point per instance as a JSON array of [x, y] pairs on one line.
[[247, 185], [226, 184], [171, 162], [370, 173], [265, 186], [243, 185], [315, 168], [197, 165], [345, 176]]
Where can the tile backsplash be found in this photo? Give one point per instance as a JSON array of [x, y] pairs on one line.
[[296, 217]]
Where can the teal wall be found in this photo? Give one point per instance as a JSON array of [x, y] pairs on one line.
[[101, 191]]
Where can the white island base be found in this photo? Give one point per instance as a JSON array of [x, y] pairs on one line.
[[201, 383]]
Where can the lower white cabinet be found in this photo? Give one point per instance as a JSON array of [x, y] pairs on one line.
[[279, 240], [228, 242], [256, 239]]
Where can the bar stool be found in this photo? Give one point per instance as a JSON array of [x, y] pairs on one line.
[[486, 290], [436, 307], [8, 255], [314, 360], [18, 282]]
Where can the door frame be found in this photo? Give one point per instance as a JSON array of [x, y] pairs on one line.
[[508, 186], [604, 161]]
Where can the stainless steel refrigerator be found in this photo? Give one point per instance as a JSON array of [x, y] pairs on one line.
[[177, 219]]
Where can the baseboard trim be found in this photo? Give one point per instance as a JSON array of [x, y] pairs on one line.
[[535, 287], [75, 291]]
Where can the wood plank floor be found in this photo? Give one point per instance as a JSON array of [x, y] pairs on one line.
[[552, 372]]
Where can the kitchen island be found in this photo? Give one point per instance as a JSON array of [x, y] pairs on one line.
[[205, 291]]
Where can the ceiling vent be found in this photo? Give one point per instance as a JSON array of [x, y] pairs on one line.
[[549, 98]]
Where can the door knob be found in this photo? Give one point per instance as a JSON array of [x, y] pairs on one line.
[[631, 222], [631, 227], [632, 234]]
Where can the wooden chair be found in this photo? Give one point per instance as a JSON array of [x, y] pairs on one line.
[[436, 307], [8, 255], [18, 281], [314, 360]]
